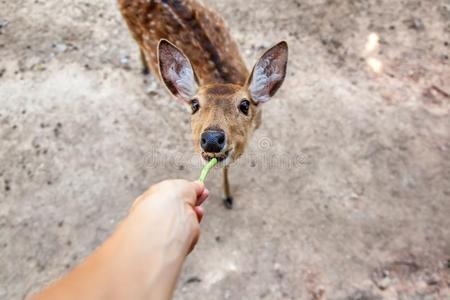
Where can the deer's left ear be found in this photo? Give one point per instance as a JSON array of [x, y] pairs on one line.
[[268, 73]]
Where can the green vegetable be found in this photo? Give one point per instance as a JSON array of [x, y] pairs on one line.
[[207, 168]]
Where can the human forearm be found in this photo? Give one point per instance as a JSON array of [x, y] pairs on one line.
[[142, 259], [121, 269]]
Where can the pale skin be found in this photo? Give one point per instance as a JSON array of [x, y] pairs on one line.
[[142, 259]]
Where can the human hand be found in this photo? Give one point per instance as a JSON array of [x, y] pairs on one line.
[[142, 259], [172, 210]]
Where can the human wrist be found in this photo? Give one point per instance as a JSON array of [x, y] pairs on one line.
[[152, 229], [138, 250]]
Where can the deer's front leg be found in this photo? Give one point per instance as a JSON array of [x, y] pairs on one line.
[[227, 200], [145, 69]]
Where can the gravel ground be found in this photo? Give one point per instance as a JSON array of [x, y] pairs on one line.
[[343, 194]]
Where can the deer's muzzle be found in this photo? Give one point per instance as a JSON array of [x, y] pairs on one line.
[[213, 141]]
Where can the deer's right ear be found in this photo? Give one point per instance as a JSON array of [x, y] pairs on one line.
[[176, 71], [268, 74]]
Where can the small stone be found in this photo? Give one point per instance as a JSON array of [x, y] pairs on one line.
[[60, 47], [3, 23], [433, 279], [330, 41], [39, 67], [152, 88], [416, 24], [193, 279], [264, 45], [125, 62], [7, 186], [384, 283], [56, 132], [353, 196]]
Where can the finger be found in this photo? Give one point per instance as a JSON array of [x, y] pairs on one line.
[[198, 188], [199, 211], [202, 197]]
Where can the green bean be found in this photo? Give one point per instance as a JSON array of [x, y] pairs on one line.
[[207, 168]]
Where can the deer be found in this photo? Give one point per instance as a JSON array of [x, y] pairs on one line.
[[188, 47]]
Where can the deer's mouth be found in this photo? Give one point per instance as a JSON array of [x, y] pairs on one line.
[[220, 156]]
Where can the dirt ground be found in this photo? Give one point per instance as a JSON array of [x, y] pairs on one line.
[[343, 194]]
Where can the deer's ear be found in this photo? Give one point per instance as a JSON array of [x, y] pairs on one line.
[[176, 71], [268, 73]]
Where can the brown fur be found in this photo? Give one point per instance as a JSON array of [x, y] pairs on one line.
[[219, 109], [196, 30]]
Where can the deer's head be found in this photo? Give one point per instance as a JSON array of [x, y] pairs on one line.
[[224, 116]]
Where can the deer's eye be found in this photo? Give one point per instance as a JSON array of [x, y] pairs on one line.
[[244, 106], [195, 105]]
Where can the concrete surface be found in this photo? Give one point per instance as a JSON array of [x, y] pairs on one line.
[[344, 194]]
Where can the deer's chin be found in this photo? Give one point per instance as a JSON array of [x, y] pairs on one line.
[[223, 158]]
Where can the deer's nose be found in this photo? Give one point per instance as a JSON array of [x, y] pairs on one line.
[[213, 141]]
